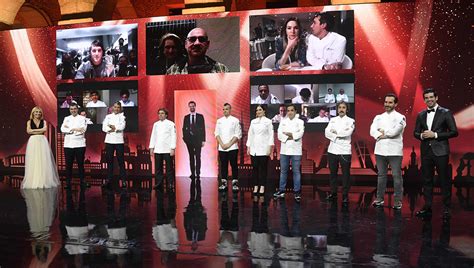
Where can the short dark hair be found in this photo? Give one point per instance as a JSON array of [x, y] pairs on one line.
[[164, 110], [305, 92], [343, 103], [291, 105], [429, 90], [95, 92], [96, 43], [392, 95], [73, 104], [125, 91], [327, 18], [329, 89], [227, 104], [263, 85], [192, 102]]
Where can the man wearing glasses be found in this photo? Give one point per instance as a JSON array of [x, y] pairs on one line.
[[197, 43]]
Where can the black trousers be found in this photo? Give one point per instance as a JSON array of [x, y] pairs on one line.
[[429, 162], [345, 162], [259, 170], [109, 154], [194, 150], [224, 159], [74, 153], [159, 174]]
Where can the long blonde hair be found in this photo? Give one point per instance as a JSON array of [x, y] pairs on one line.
[[36, 108]]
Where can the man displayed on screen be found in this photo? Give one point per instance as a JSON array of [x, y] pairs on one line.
[[68, 101], [342, 96], [321, 118], [196, 44], [326, 49], [125, 98], [264, 96], [194, 135], [304, 96], [97, 65], [94, 101], [329, 97], [281, 114]]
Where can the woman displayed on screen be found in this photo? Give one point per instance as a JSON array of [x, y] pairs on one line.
[[171, 50], [291, 46]]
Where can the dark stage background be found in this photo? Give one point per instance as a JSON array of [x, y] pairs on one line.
[[399, 47]]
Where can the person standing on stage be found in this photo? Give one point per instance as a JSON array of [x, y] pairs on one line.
[[162, 146], [194, 135], [434, 127], [228, 132], [339, 132], [290, 133], [74, 128], [259, 147], [387, 130], [113, 125]]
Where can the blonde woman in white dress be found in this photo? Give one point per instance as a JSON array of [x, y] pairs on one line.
[[40, 165]]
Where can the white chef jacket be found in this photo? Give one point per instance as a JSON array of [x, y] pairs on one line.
[[226, 129], [271, 99], [329, 98], [74, 139], [340, 142], [163, 137], [260, 136], [129, 103], [393, 124], [296, 127], [98, 104], [342, 97], [118, 120], [330, 49], [299, 100]]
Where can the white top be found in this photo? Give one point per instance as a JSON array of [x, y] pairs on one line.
[[74, 139], [166, 237], [271, 99], [226, 129], [296, 127], [430, 117], [340, 142], [330, 49], [99, 103], [128, 104], [329, 98], [118, 120], [277, 118], [319, 119], [393, 124], [260, 136], [342, 97], [163, 137], [299, 100]]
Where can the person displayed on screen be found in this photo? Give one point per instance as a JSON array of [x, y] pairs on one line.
[[66, 69], [40, 166], [342, 96], [97, 65], [170, 51], [196, 44], [258, 31], [84, 113], [326, 49], [95, 101], [303, 97], [321, 118], [264, 96], [194, 136], [329, 97], [124, 68], [132, 58], [125, 98], [68, 101], [291, 46], [281, 114], [123, 48]]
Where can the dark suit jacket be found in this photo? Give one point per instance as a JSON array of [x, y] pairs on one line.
[[443, 124], [199, 132]]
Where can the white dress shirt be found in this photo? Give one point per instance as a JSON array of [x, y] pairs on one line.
[[299, 100], [393, 125], [129, 103], [342, 97], [271, 99], [228, 128], [118, 120], [319, 119], [296, 127], [430, 117], [329, 98], [340, 142], [97, 104], [163, 137], [330, 49], [260, 136], [74, 139]]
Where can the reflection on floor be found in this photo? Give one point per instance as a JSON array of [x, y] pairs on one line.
[[197, 227]]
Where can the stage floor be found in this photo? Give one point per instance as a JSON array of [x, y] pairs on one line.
[[197, 227]]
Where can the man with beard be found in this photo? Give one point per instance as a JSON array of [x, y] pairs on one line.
[[387, 130], [96, 66], [197, 44]]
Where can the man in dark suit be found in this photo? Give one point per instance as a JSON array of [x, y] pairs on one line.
[[194, 135], [434, 127]]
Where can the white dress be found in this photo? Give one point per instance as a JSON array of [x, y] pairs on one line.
[[40, 165]]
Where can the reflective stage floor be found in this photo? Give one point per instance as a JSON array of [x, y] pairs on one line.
[[197, 227]]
